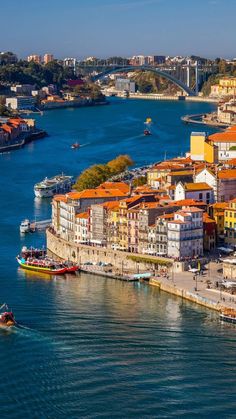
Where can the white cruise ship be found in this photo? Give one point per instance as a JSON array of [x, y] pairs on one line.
[[54, 185]]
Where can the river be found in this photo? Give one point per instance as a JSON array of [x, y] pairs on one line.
[[90, 346]]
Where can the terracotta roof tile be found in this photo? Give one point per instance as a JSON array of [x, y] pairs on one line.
[[201, 186]]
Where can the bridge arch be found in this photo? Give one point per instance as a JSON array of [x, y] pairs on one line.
[[161, 73]]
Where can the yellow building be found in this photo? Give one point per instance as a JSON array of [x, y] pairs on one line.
[[201, 149], [217, 212], [230, 223], [225, 87]]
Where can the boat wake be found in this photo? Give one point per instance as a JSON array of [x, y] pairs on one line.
[[84, 145]]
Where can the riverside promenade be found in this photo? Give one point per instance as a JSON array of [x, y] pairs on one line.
[[199, 289]]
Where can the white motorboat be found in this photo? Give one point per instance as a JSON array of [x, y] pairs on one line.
[[25, 226]]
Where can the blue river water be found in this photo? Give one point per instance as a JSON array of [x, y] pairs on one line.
[[91, 347]]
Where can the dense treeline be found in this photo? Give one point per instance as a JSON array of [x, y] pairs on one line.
[[99, 173], [34, 73]]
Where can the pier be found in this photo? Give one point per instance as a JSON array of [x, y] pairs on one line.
[[202, 119]]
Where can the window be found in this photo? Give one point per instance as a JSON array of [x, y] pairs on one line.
[[200, 196]]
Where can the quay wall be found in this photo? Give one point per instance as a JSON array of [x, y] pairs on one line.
[[81, 253], [187, 295], [156, 96]]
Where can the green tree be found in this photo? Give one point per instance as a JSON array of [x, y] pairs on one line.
[[99, 173], [120, 164]]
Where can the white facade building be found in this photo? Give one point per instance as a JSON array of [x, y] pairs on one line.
[[185, 233], [198, 191], [20, 102], [81, 228]]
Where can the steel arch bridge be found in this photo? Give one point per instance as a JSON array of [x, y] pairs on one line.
[[161, 73]]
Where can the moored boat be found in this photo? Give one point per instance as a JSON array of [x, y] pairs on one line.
[[25, 226], [6, 317], [228, 315], [52, 186], [42, 265]]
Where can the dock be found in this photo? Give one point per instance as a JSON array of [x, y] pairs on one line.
[[40, 225], [202, 119]]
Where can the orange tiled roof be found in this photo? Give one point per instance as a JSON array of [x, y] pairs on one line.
[[201, 186], [150, 205], [122, 186], [227, 174], [167, 216], [232, 162], [95, 193], [59, 198], [207, 219], [111, 204], [220, 205], [181, 173], [192, 209], [188, 202], [177, 222], [82, 215], [223, 137]]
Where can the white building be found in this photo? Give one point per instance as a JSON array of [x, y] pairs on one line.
[[81, 228], [223, 183], [198, 191], [20, 102], [125, 84], [185, 233]]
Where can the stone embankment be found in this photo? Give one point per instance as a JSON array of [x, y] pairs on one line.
[[203, 119], [123, 263], [23, 140], [199, 289], [156, 96]]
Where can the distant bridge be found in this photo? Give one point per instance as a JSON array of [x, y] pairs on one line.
[[164, 74]]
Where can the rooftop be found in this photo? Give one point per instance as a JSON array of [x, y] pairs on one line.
[[201, 186], [227, 173]]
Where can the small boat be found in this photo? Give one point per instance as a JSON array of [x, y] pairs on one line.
[[6, 317], [25, 226], [42, 265], [147, 132], [228, 315], [75, 145]]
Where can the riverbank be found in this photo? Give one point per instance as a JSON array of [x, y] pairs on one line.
[[202, 119], [23, 140], [198, 289], [155, 96]]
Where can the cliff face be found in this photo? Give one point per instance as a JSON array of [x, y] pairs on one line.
[[148, 82]]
